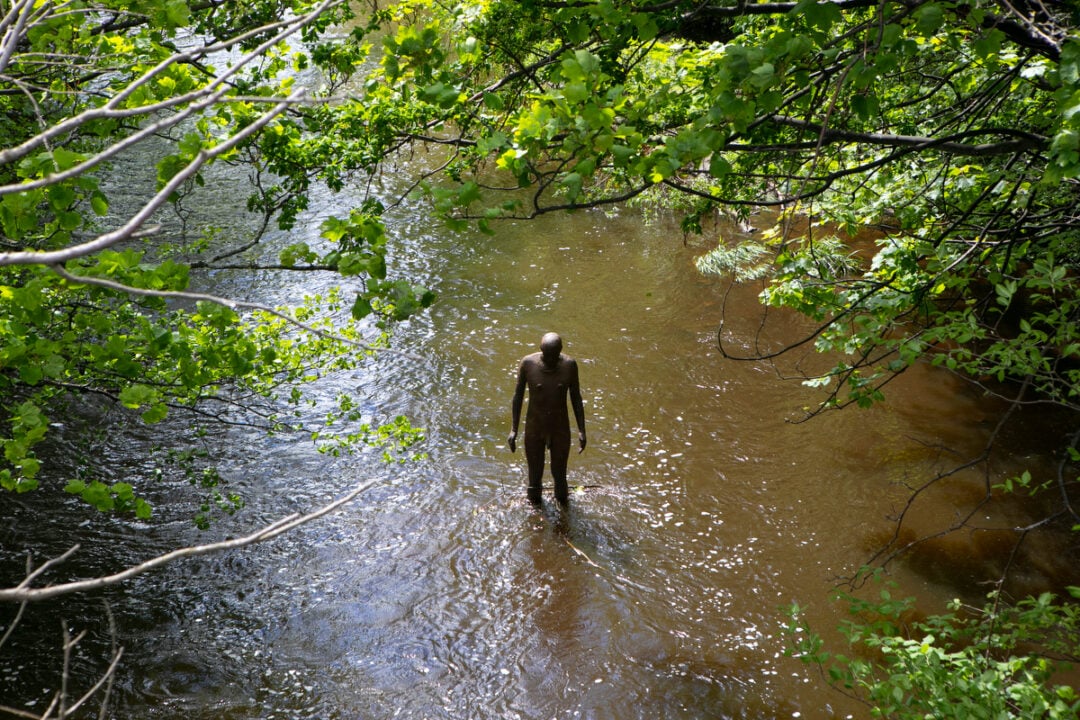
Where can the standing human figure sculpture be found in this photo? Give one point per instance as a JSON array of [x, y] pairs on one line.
[[550, 377]]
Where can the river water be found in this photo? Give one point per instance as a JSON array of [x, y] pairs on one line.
[[702, 511]]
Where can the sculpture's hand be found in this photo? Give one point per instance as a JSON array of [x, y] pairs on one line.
[[512, 442], [581, 441]]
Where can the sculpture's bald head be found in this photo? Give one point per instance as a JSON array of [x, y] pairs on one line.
[[551, 348]]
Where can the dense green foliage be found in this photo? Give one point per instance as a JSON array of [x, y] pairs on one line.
[[969, 663], [952, 128], [95, 287]]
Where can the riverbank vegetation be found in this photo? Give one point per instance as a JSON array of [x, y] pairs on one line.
[[949, 128]]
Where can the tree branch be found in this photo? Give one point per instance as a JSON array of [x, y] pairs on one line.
[[214, 91], [952, 144], [21, 593], [1023, 32], [128, 229]]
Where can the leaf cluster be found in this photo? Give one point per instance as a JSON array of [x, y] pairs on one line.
[[994, 661], [93, 304]]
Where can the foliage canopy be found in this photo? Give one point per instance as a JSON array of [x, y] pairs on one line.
[[952, 127], [96, 271], [973, 662]]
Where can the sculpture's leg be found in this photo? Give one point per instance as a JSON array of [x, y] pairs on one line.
[[534, 454], [560, 454]]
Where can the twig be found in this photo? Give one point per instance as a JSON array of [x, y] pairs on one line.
[[16, 712], [48, 563], [211, 94], [580, 552], [107, 677], [111, 673]]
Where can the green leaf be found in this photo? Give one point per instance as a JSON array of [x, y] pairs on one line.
[[469, 193], [156, 413], [191, 144], [30, 374], [361, 308], [66, 159], [929, 18], [763, 76], [718, 166], [821, 15], [989, 44], [572, 182], [61, 197], [646, 26], [69, 220], [100, 204], [588, 62], [377, 266], [29, 467], [622, 154], [135, 396], [97, 494], [865, 106]]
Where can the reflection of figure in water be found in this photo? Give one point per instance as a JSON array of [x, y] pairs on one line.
[[550, 375]]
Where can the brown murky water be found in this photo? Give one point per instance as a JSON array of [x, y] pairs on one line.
[[441, 593]]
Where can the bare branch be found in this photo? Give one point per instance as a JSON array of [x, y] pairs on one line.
[[285, 524], [1020, 140], [16, 712], [890, 551], [106, 678], [117, 650], [31, 576], [12, 27], [153, 205], [1073, 441], [22, 608], [1023, 30]]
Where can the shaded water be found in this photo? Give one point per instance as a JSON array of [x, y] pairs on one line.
[[442, 593]]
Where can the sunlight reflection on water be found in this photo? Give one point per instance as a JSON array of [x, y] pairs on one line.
[[699, 513]]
